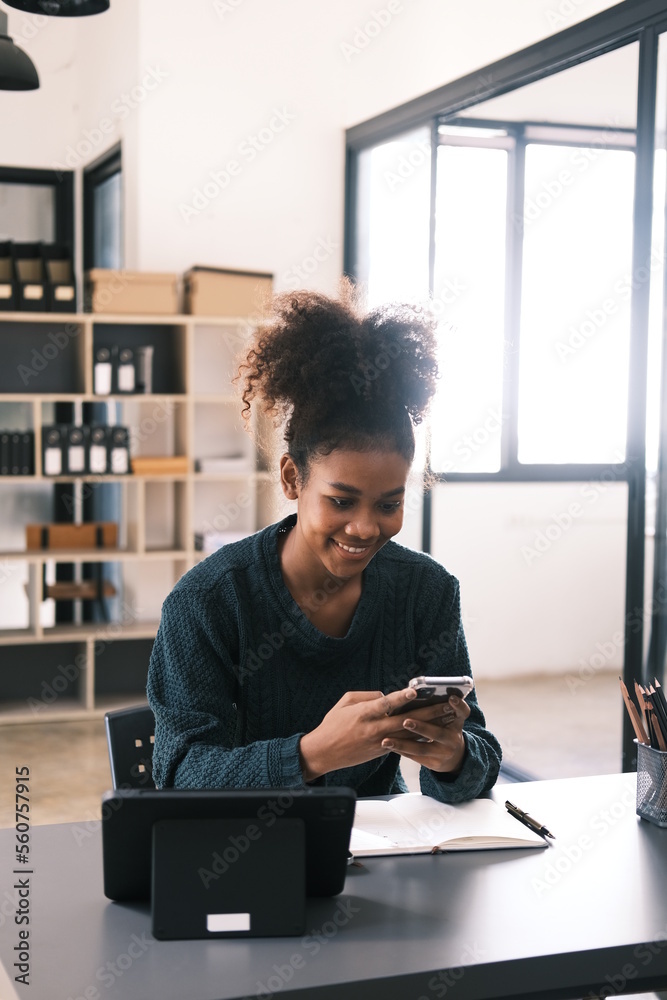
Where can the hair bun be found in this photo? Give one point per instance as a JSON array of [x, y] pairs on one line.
[[335, 374]]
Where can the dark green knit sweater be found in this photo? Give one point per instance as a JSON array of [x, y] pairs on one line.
[[238, 673]]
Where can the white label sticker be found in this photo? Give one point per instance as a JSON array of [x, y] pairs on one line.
[[102, 378], [5, 291], [33, 292], [76, 458], [98, 458], [227, 922], [64, 293], [119, 465], [126, 378], [53, 461]]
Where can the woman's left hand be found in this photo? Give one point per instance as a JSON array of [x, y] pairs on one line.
[[442, 725]]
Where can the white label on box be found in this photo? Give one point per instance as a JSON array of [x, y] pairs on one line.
[[53, 461], [126, 378], [216, 922], [5, 291], [64, 293], [102, 378], [119, 464], [33, 292], [76, 458], [98, 458]]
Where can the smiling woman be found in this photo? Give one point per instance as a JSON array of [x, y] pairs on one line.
[[279, 658]]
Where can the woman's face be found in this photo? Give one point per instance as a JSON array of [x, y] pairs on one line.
[[351, 505]]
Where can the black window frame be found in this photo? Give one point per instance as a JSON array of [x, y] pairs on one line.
[[640, 21], [96, 173]]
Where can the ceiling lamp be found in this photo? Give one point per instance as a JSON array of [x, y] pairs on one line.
[[60, 8], [17, 70]]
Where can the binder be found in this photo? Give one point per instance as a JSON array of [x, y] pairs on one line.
[[126, 376], [53, 449], [14, 453], [144, 368], [119, 452], [103, 371], [98, 451], [27, 454], [4, 453], [76, 450]]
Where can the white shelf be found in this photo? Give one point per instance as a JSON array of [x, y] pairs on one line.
[[126, 319], [99, 630], [160, 510], [92, 555]]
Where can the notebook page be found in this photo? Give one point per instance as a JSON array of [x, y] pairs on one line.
[[479, 822], [378, 819]]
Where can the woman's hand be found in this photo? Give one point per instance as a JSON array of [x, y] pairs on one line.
[[353, 731], [442, 725]]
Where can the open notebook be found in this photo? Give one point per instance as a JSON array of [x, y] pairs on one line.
[[417, 824]]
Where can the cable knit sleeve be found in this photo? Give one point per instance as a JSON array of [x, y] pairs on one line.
[[193, 691], [442, 650]]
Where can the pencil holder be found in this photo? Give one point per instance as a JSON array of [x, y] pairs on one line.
[[652, 784]]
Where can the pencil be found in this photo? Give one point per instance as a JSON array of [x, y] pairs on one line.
[[640, 733], [639, 691], [657, 729], [660, 712]]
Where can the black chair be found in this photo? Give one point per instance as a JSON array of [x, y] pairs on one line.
[[130, 738]]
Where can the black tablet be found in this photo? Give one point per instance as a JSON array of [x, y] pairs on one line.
[[128, 817]]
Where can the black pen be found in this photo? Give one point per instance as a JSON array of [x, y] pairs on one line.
[[523, 817]]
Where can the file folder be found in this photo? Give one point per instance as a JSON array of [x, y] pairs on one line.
[[54, 439], [4, 453], [8, 287], [15, 453], [98, 450], [76, 450], [126, 376], [27, 454], [59, 273], [103, 365], [119, 458], [31, 277]]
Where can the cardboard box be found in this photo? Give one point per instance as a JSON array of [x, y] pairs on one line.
[[158, 465], [214, 291], [127, 292], [91, 535]]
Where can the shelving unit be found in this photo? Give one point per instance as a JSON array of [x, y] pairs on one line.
[[79, 671]]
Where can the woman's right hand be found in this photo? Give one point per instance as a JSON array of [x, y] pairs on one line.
[[352, 731]]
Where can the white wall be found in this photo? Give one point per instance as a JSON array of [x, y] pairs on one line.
[[542, 573], [227, 64], [184, 86]]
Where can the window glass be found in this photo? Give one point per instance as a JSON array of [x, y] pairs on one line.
[[469, 297], [108, 243], [575, 306], [394, 191]]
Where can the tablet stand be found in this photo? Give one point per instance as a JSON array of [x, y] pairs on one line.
[[215, 878]]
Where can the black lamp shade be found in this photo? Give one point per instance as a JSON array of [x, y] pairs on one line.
[[60, 8], [17, 70]]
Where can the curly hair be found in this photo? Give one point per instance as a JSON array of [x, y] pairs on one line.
[[338, 378]]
